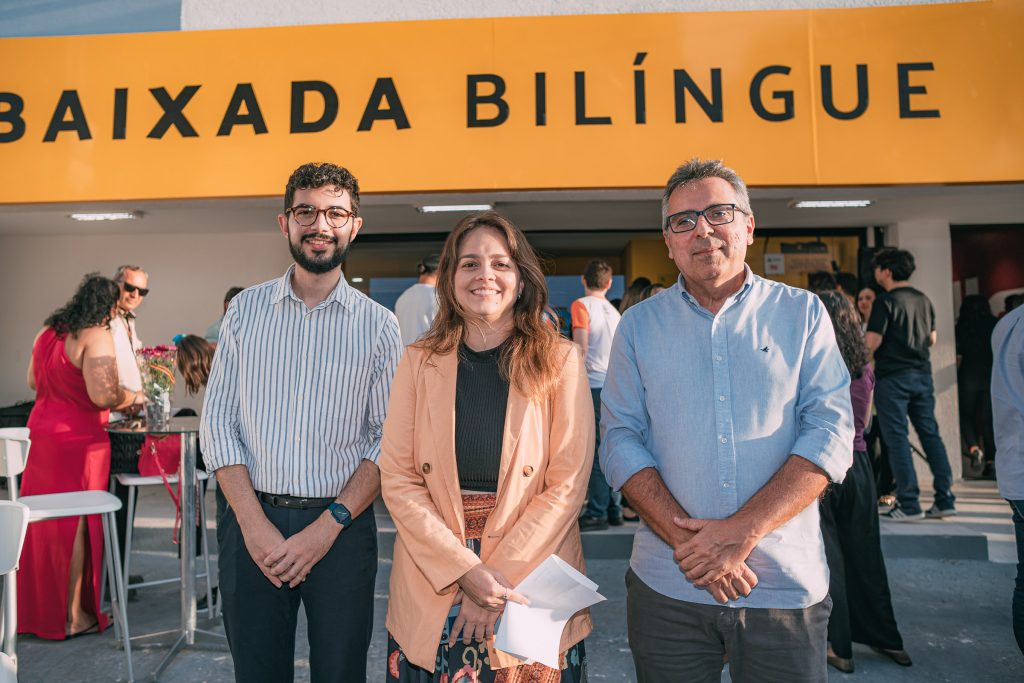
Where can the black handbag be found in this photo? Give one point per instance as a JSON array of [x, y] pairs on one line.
[[124, 453]]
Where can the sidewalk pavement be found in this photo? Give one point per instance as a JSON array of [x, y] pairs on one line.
[[953, 611]]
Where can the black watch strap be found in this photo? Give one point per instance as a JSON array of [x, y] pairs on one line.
[[341, 514]]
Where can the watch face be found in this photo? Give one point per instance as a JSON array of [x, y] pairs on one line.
[[341, 515]]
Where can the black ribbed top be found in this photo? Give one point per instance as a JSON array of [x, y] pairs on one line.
[[481, 397]]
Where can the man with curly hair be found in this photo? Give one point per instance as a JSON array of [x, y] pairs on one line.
[[292, 424]]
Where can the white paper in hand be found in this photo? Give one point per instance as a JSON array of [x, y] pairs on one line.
[[556, 591]]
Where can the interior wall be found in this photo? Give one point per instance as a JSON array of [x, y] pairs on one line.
[[842, 249], [188, 276], [648, 257]]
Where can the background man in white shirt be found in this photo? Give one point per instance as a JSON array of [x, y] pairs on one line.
[[593, 325], [417, 306]]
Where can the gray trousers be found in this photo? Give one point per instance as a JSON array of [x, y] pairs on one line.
[[674, 641]]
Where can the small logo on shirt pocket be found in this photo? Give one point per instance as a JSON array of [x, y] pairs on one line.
[[764, 349]]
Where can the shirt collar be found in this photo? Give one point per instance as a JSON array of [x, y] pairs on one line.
[[748, 282], [341, 294]]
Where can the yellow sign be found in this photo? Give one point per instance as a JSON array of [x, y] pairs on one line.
[[912, 94]]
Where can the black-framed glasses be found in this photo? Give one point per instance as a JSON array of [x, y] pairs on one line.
[[306, 215], [717, 214], [131, 289]]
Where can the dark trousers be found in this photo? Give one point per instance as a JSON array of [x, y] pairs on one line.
[[974, 389], [674, 641], [884, 482], [337, 595], [601, 500], [861, 602], [1018, 589], [897, 397]]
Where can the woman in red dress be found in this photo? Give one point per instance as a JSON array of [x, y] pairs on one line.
[[74, 373]]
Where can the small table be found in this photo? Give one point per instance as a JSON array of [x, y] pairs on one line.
[[188, 428]]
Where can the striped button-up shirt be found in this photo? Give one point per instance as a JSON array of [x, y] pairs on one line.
[[298, 395], [718, 403]]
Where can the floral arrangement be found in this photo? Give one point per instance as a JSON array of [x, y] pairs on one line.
[[156, 365]]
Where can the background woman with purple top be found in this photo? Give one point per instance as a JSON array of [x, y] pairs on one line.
[[861, 602]]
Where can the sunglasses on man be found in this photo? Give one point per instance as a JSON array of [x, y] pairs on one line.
[[131, 289]]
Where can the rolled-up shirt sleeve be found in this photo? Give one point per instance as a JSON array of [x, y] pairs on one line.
[[824, 411], [386, 357], [219, 430], [625, 423]]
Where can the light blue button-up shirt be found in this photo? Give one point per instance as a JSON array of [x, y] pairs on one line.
[[1008, 403], [718, 403], [296, 394]]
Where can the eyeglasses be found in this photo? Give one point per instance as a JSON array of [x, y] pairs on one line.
[[685, 221], [131, 289], [306, 215]]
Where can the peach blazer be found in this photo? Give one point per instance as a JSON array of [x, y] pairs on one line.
[[546, 459]]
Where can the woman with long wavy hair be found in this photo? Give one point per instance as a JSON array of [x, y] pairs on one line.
[[485, 459], [74, 373], [861, 603]]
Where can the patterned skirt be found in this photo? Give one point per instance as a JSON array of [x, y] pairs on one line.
[[470, 663]]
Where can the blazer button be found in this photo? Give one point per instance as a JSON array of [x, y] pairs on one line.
[[426, 468], [528, 471]]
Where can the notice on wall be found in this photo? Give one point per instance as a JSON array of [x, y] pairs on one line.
[[774, 264]]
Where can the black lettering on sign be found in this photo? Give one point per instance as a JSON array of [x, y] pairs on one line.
[[786, 96], [906, 90], [540, 89], [120, 113], [68, 104], [581, 104], [11, 107], [639, 89], [828, 101], [474, 99], [173, 112], [384, 91], [299, 124], [712, 107], [233, 116]]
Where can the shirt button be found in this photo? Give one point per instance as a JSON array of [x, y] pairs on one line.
[[721, 398], [724, 439], [528, 471], [725, 484], [718, 358], [426, 468]]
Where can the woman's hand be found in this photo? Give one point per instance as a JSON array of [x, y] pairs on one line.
[[473, 621], [488, 588]]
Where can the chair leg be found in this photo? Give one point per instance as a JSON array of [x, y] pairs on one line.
[[129, 528], [10, 616], [111, 550], [206, 549]]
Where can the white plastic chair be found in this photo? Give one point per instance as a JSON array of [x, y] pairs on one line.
[[73, 504], [132, 482], [13, 523], [14, 443]]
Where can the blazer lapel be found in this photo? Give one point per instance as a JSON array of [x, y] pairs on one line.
[[515, 415], [439, 379]]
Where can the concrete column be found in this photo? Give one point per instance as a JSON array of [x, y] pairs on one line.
[[929, 241]]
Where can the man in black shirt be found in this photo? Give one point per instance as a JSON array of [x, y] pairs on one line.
[[901, 332]]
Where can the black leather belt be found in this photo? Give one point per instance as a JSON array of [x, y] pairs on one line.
[[294, 501]]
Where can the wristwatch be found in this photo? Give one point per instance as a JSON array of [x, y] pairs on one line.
[[341, 514]]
